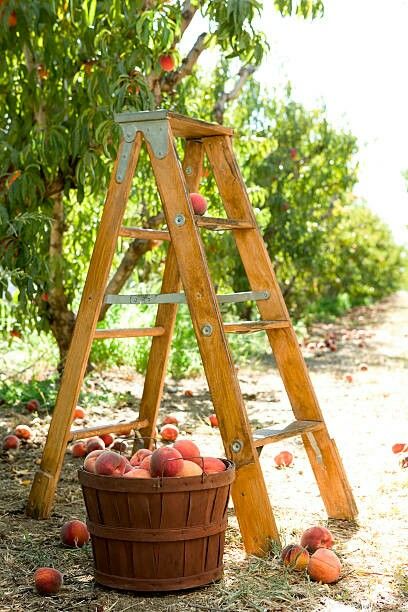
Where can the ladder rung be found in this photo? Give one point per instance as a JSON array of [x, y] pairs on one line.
[[143, 233], [137, 332], [98, 430], [212, 223], [247, 327], [268, 435], [180, 298]]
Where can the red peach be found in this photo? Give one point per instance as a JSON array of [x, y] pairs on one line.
[[74, 534], [166, 461], [79, 449], [190, 468], [94, 443], [295, 557], [400, 447], [10, 442], [316, 537], [188, 449], [108, 438], [79, 413], [210, 465], [120, 445], [213, 420], [348, 378], [283, 459], [199, 203], [89, 463], [166, 63], [169, 433], [48, 580], [23, 432], [170, 419], [139, 455], [145, 464], [33, 405], [137, 473], [110, 463], [324, 566]]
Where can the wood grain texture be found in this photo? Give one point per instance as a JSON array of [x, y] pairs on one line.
[[99, 430], [134, 332], [43, 488], [217, 361], [143, 233], [268, 435]]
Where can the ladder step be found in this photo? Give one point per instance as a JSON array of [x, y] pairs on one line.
[[98, 430], [247, 327], [213, 223], [268, 435], [180, 298], [143, 233], [137, 332]]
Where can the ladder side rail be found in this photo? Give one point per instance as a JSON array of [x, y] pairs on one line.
[[249, 491], [167, 312], [45, 481]]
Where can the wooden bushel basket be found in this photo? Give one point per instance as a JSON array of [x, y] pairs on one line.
[[157, 534]]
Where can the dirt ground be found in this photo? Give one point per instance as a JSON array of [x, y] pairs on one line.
[[362, 390]]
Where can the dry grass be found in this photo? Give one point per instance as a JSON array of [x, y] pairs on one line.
[[365, 417]]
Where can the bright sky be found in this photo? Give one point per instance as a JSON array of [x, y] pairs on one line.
[[354, 61]]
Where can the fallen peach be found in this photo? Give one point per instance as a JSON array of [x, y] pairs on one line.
[[79, 413], [110, 463], [108, 438], [33, 405], [23, 432], [94, 443], [74, 534], [48, 580], [295, 557], [10, 442], [120, 445], [400, 447], [79, 449], [316, 537], [283, 459], [324, 566], [213, 420], [169, 432], [170, 419]]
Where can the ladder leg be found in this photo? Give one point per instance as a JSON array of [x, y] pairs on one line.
[[322, 452], [249, 491], [46, 479], [166, 313]]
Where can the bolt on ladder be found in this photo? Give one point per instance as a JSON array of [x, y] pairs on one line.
[[186, 267]]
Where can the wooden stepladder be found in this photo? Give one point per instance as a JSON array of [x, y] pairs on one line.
[[186, 267]]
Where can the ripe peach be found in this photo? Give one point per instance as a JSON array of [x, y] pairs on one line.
[[74, 534], [283, 459], [190, 469], [199, 203], [166, 63], [363, 367], [94, 443], [89, 463], [170, 419], [348, 378], [400, 447], [33, 405], [213, 420], [10, 442], [120, 445], [48, 580], [210, 465], [79, 449], [12, 20], [139, 455], [79, 413], [324, 566], [137, 473], [23, 432], [316, 537], [110, 463], [295, 557], [166, 461], [169, 433], [108, 438], [145, 464], [188, 449]]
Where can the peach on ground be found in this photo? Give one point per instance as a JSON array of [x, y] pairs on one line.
[[94, 443], [120, 445], [213, 420], [399, 447], [170, 419], [74, 534], [139, 455], [295, 557], [283, 459], [89, 463], [10, 442], [316, 537], [324, 566], [48, 580], [33, 405], [137, 473], [187, 448], [79, 449], [108, 438], [79, 413], [23, 432], [166, 461], [110, 463], [169, 432]]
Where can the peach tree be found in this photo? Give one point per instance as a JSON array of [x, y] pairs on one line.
[[65, 67]]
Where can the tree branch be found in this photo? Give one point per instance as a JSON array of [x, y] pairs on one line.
[[187, 13], [172, 79], [243, 75]]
